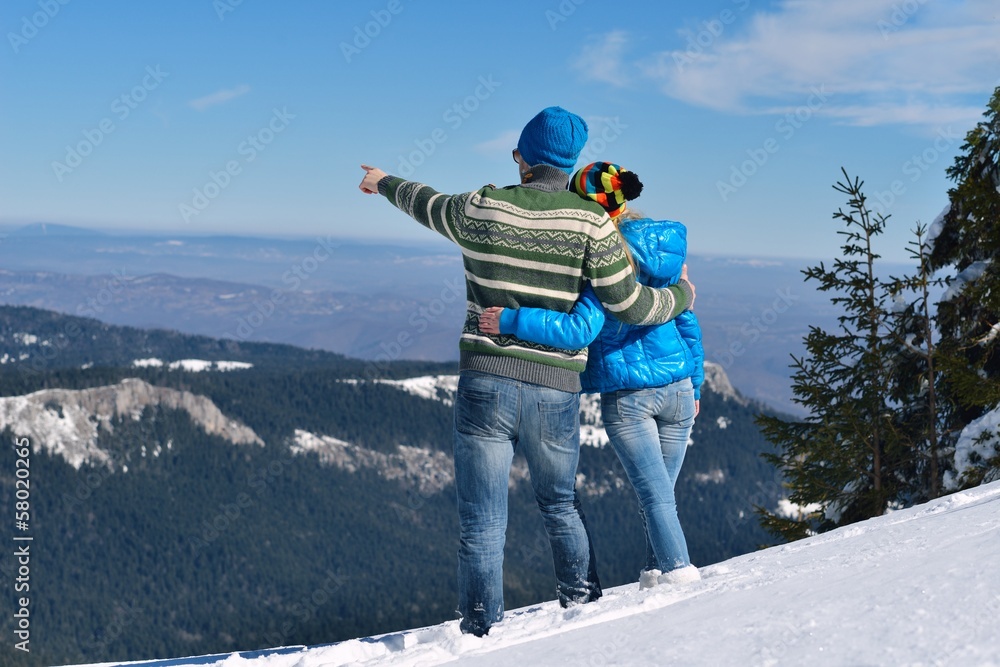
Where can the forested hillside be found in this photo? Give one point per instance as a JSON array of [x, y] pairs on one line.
[[183, 543]]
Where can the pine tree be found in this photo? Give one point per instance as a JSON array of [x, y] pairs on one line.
[[843, 463], [916, 375], [967, 241]]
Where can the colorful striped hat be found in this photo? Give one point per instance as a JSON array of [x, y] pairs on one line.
[[607, 184]]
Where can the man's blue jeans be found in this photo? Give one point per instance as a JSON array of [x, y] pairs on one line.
[[494, 416], [649, 430]]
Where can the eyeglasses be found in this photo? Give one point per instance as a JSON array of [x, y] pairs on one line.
[[514, 155]]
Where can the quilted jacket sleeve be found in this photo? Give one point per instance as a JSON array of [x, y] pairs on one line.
[[570, 331]]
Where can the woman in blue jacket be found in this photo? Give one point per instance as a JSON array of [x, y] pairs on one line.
[[649, 377]]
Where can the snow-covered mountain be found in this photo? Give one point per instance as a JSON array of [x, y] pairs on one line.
[[914, 587], [66, 422]]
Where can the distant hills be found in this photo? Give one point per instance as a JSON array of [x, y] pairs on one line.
[[50, 229], [362, 298]]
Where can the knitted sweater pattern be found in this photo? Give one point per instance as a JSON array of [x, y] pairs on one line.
[[532, 245]]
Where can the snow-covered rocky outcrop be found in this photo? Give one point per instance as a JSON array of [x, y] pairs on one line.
[[443, 388], [425, 470], [717, 381], [432, 387], [192, 365], [65, 422]]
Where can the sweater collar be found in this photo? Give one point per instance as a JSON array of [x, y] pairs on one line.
[[547, 178]]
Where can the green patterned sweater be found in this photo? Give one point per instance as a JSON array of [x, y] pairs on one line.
[[534, 244]]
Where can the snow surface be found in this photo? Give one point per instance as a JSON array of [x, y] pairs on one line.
[[431, 387], [915, 587], [25, 338], [980, 439], [423, 469], [790, 510], [972, 273], [232, 365], [934, 231], [192, 365]]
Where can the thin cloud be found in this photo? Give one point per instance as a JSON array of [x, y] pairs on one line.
[[604, 62], [219, 97], [881, 64]]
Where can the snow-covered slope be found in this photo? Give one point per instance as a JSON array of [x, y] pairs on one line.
[[425, 470], [66, 421], [915, 587], [192, 365]]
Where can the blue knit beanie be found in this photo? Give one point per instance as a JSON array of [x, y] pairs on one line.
[[554, 136]]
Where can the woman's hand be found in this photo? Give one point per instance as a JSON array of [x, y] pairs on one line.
[[697, 407], [489, 320]]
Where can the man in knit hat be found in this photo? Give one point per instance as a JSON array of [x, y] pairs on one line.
[[532, 244]]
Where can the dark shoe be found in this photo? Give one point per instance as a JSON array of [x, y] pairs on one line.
[[476, 629]]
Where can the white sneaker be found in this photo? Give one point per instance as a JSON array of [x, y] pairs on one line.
[[648, 579], [680, 576]]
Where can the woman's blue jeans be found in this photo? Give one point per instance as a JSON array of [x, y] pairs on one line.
[[494, 416], [649, 429]]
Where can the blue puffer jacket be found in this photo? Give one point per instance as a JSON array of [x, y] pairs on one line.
[[626, 356]]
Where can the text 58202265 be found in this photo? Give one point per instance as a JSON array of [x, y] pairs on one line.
[[22, 550]]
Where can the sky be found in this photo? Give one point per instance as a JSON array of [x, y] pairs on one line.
[[252, 117], [913, 587]]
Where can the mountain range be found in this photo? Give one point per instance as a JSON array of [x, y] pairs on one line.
[[374, 301]]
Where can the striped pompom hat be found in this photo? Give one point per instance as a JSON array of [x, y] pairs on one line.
[[607, 184]]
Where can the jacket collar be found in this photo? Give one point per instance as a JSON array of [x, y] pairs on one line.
[[547, 178]]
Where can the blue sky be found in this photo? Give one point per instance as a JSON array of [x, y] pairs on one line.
[[251, 117]]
